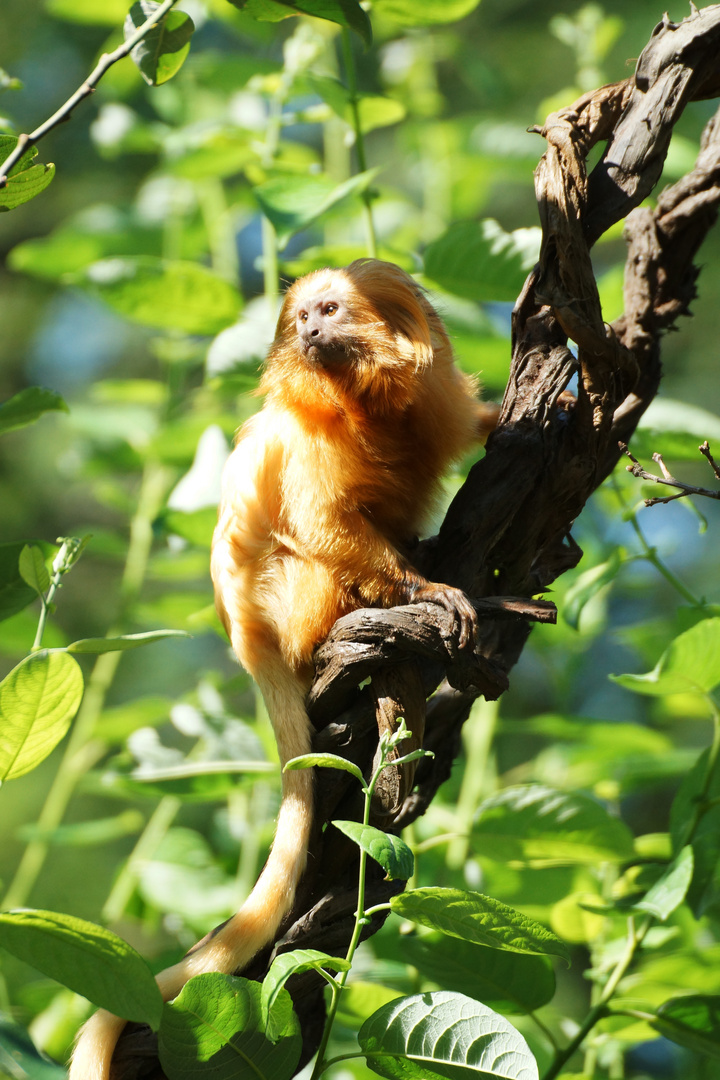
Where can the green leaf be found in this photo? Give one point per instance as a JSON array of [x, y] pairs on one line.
[[162, 52], [374, 110], [293, 202], [412, 13], [675, 429], [28, 406], [695, 813], [286, 965], [169, 295], [18, 1054], [123, 643], [38, 699], [668, 893], [391, 852], [447, 1035], [25, 180], [692, 1021], [325, 761], [691, 663], [220, 1017], [587, 585], [344, 12], [359, 1000], [86, 833], [195, 526], [15, 594], [33, 570], [96, 12], [541, 825], [480, 261], [89, 959], [506, 981], [480, 919]]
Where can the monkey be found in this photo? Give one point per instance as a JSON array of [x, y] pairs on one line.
[[327, 484]]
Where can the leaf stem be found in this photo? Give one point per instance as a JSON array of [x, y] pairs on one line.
[[88, 86], [366, 195]]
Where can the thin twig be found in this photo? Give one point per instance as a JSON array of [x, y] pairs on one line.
[[667, 478], [705, 451], [88, 87]]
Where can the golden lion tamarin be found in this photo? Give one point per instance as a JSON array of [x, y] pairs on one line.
[[364, 410]]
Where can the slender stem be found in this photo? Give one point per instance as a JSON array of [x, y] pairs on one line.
[[63, 113], [366, 196], [542, 1026], [650, 553], [148, 843], [45, 602], [83, 751], [634, 940]]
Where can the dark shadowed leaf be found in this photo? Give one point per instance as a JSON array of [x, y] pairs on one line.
[[28, 406], [692, 1021], [162, 51]]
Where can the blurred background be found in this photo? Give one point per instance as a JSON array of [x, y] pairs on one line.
[[141, 285]]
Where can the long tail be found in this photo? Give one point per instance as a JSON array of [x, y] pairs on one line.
[[231, 946]]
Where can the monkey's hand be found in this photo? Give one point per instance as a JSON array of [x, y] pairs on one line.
[[453, 600]]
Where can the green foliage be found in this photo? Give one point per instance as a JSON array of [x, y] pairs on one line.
[[584, 821]]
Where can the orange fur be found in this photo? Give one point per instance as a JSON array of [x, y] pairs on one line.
[[364, 410]]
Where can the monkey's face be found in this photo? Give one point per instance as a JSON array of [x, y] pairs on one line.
[[322, 321]]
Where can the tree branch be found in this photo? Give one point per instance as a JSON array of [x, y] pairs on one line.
[[88, 87]]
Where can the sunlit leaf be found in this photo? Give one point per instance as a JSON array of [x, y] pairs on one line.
[[89, 959], [221, 1018], [534, 823], [164, 48], [480, 919], [169, 295], [360, 999], [441, 1034], [345, 12], [507, 981], [480, 261], [26, 180], [196, 526], [122, 643], [28, 406], [325, 761], [692, 1021], [391, 852], [426, 12], [294, 202], [668, 893], [291, 963], [96, 12], [691, 663], [38, 699]]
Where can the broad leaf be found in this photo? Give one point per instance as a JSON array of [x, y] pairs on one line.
[[33, 570], [692, 1021], [587, 585], [38, 699], [27, 1063], [425, 13], [441, 1034], [345, 12], [480, 261], [391, 852], [15, 593], [538, 824], [123, 643], [220, 1017], [480, 919], [325, 761], [169, 295], [293, 202], [25, 180], [96, 12], [28, 406], [163, 50], [283, 967], [89, 959], [668, 893], [691, 663], [695, 817], [507, 981]]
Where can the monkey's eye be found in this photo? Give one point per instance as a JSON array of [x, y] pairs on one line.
[[330, 309], [303, 316]]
